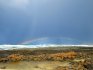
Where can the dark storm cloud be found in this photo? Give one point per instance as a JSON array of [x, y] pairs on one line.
[[21, 20]]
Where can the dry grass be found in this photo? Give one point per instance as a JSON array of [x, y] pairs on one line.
[[55, 56], [62, 56], [15, 57]]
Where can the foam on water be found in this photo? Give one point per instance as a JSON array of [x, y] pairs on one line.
[[11, 47]]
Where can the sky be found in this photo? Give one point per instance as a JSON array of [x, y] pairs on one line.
[[23, 20]]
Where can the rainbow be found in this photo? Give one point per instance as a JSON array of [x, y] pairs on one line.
[[51, 40]]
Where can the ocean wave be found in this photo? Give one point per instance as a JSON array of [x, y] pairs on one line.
[[11, 47]]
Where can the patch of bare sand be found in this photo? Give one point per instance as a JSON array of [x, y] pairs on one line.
[[33, 65]]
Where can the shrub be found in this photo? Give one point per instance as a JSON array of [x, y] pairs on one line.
[[62, 56], [15, 57]]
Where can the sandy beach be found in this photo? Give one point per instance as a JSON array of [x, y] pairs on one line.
[[34, 65]]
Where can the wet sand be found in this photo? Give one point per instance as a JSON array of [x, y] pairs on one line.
[[33, 65]]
